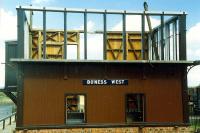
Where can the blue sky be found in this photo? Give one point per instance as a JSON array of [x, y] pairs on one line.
[[191, 7], [8, 20]]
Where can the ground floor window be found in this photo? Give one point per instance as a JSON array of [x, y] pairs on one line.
[[75, 109], [134, 108]]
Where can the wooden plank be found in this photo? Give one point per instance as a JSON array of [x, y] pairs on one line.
[[55, 40], [39, 45], [133, 42], [54, 43], [78, 46]]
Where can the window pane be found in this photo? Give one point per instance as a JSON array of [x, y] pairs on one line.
[[75, 109], [135, 108]]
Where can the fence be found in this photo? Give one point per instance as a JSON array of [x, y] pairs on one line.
[[3, 120]]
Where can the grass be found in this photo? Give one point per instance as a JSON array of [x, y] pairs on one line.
[[4, 99], [195, 128]]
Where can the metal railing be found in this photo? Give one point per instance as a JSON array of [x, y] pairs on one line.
[[195, 122], [3, 120]]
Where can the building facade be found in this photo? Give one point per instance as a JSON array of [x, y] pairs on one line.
[[141, 79]]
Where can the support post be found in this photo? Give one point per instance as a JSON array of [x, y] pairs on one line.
[[182, 56], [85, 34], [162, 43], [124, 35], [20, 95], [15, 117], [20, 36], [20, 32], [30, 35], [185, 94], [105, 36], [4, 124], [182, 37], [10, 119], [167, 43], [65, 34], [143, 37], [44, 33], [175, 40]]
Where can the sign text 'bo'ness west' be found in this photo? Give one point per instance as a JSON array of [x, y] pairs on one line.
[[105, 82]]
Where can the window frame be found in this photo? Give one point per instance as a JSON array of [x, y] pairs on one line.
[[85, 108], [144, 105]]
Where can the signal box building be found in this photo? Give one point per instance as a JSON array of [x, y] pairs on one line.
[[139, 84]]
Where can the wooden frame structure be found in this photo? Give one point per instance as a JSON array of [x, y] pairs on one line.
[[133, 46], [54, 43], [114, 47]]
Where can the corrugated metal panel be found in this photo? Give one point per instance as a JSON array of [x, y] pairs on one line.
[[47, 84], [10, 69]]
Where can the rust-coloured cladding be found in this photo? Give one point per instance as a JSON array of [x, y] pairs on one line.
[[45, 86]]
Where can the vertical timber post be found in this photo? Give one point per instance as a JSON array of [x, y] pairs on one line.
[[85, 34], [143, 39], [44, 33], [65, 34], [124, 35], [105, 36]]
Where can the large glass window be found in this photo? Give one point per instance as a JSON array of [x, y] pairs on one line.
[[134, 108], [75, 109]]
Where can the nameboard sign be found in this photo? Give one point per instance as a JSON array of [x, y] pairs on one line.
[[105, 82]]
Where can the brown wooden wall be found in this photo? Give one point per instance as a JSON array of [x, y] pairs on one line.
[[45, 86]]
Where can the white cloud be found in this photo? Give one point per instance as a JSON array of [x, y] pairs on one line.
[[8, 31], [38, 2], [90, 26], [95, 45], [193, 53], [8, 25], [193, 42], [192, 36], [194, 77], [133, 23]]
